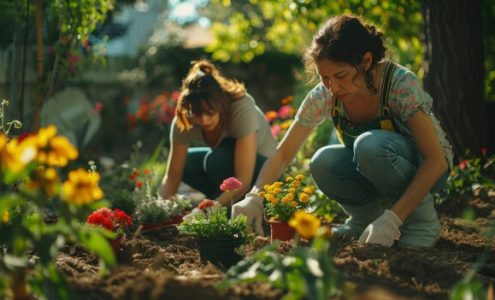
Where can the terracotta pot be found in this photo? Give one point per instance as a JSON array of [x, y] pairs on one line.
[[219, 252], [116, 243], [154, 226], [173, 221], [281, 231]]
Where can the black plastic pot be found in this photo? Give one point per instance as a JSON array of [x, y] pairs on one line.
[[219, 252]]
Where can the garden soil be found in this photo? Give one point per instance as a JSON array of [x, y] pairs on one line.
[[166, 265]]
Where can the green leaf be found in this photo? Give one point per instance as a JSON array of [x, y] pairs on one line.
[[96, 240]]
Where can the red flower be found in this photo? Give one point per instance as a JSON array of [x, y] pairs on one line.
[[230, 183], [286, 100], [484, 151], [135, 174], [23, 136], [102, 217], [463, 164], [122, 217], [146, 171], [205, 204], [111, 220], [139, 184]]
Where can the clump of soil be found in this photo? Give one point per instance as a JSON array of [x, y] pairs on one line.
[[165, 265]]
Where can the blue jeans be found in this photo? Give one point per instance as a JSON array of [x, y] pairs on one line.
[[375, 173], [206, 167]]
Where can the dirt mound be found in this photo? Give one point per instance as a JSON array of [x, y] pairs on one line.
[[165, 265]]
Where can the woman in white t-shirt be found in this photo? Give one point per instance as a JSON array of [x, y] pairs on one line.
[[218, 132], [393, 154]]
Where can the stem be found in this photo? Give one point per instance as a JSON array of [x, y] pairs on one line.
[[18, 286]]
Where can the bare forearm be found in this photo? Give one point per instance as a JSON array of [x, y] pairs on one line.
[[273, 168], [168, 188], [426, 177]]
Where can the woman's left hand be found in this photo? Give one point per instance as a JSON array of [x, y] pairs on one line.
[[383, 231]]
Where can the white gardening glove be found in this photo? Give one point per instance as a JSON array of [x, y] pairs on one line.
[[252, 207], [383, 231]]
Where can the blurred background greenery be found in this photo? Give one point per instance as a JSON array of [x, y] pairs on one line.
[[107, 72]]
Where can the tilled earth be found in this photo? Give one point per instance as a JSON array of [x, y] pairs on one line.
[[165, 265]]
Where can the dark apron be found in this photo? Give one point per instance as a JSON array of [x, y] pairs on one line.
[[348, 131]]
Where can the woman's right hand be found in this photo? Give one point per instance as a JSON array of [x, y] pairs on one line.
[[252, 207]]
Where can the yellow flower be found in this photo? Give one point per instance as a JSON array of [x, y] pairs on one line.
[[290, 196], [81, 187], [295, 184], [293, 203], [46, 179], [262, 194], [54, 150], [285, 125], [291, 190], [5, 217], [269, 197], [289, 179], [277, 184], [267, 187], [304, 197], [15, 156], [305, 224], [285, 199], [309, 190], [277, 190], [299, 177]]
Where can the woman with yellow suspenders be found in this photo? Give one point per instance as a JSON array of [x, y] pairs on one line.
[[393, 153]]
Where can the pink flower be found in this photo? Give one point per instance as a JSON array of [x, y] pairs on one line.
[[276, 130], [463, 164], [484, 151], [285, 112], [98, 107], [230, 183]]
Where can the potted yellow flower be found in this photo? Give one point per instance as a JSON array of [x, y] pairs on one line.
[[283, 199]]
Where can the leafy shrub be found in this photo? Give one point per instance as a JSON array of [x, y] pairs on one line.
[[303, 273], [160, 210], [210, 221], [466, 177], [122, 199]]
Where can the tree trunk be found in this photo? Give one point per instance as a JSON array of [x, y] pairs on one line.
[[39, 68], [454, 70]]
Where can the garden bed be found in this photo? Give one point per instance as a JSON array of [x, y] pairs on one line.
[[165, 265]]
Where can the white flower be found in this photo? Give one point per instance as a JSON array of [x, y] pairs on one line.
[[314, 267]]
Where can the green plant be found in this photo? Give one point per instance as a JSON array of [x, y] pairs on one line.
[[30, 182], [466, 177], [122, 199], [284, 198], [303, 272], [159, 210], [210, 221], [469, 287]]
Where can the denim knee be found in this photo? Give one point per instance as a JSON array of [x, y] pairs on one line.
[[387, 159], [335, 174]]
